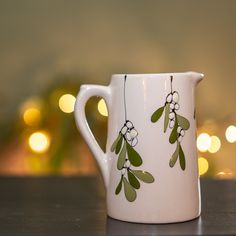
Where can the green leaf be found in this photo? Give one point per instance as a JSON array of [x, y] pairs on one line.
[[157, 114], [167, 111], [121, 157], [143, 175], [119, 186], [113, 146], [133, 180], [174, 133], [133, 156], [181, 158], [119, 144], [174, 157], [130, 193], [183, 122]]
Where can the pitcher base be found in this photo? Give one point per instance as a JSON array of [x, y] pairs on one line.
[[154, 221]]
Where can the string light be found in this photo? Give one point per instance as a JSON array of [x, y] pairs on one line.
[[102, 108], [215, 144], [230, 134], [202, 165], [39, 141], [203, 142], [67, 103]]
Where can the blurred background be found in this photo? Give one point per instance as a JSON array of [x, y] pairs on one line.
[[49, 48]]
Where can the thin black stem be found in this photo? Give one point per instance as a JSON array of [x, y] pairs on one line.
[[171, 79], [125, 99]]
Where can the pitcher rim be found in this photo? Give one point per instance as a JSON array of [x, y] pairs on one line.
[[153, 74]]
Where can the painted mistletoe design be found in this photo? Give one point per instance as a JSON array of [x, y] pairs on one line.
[[176, 122], [128, 158]]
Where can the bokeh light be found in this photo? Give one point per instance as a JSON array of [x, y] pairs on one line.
[[225, 174], [203, 142], [39, 141], [215, 144], [230, 134], [32, 116], [102, 108], [202, 165], [30, 111], [67, 103]]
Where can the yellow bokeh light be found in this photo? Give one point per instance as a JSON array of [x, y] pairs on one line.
[[225, 174], [203, 142], [32, 116], [67, 103], [215, 144], [230, 134], [39, 142], [221, 173], [30, 111], [202, 165], [102, 108]]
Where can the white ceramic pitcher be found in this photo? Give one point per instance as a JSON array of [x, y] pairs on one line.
[[150, 166]]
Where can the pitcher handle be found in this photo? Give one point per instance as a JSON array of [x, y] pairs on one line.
[[86, 92]]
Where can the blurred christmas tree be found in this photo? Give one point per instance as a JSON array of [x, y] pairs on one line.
[[43, 134]]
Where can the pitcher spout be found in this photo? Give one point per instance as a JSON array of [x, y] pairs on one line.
[[196, 77]]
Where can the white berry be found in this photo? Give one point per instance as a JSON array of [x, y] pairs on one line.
[[179, 129], [134, 142], [172, 106], [172, 123], [182, 132], [169, 98], [180, 138], [171, 115], [175, 97], [133, 133], [127, 136], [176, 106], [129, 124]]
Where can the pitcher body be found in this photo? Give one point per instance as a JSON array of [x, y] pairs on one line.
[[150, 167]]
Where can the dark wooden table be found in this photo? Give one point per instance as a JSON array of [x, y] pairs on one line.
[[76, 206]]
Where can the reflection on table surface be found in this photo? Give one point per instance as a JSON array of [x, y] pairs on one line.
[[116, 227]]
